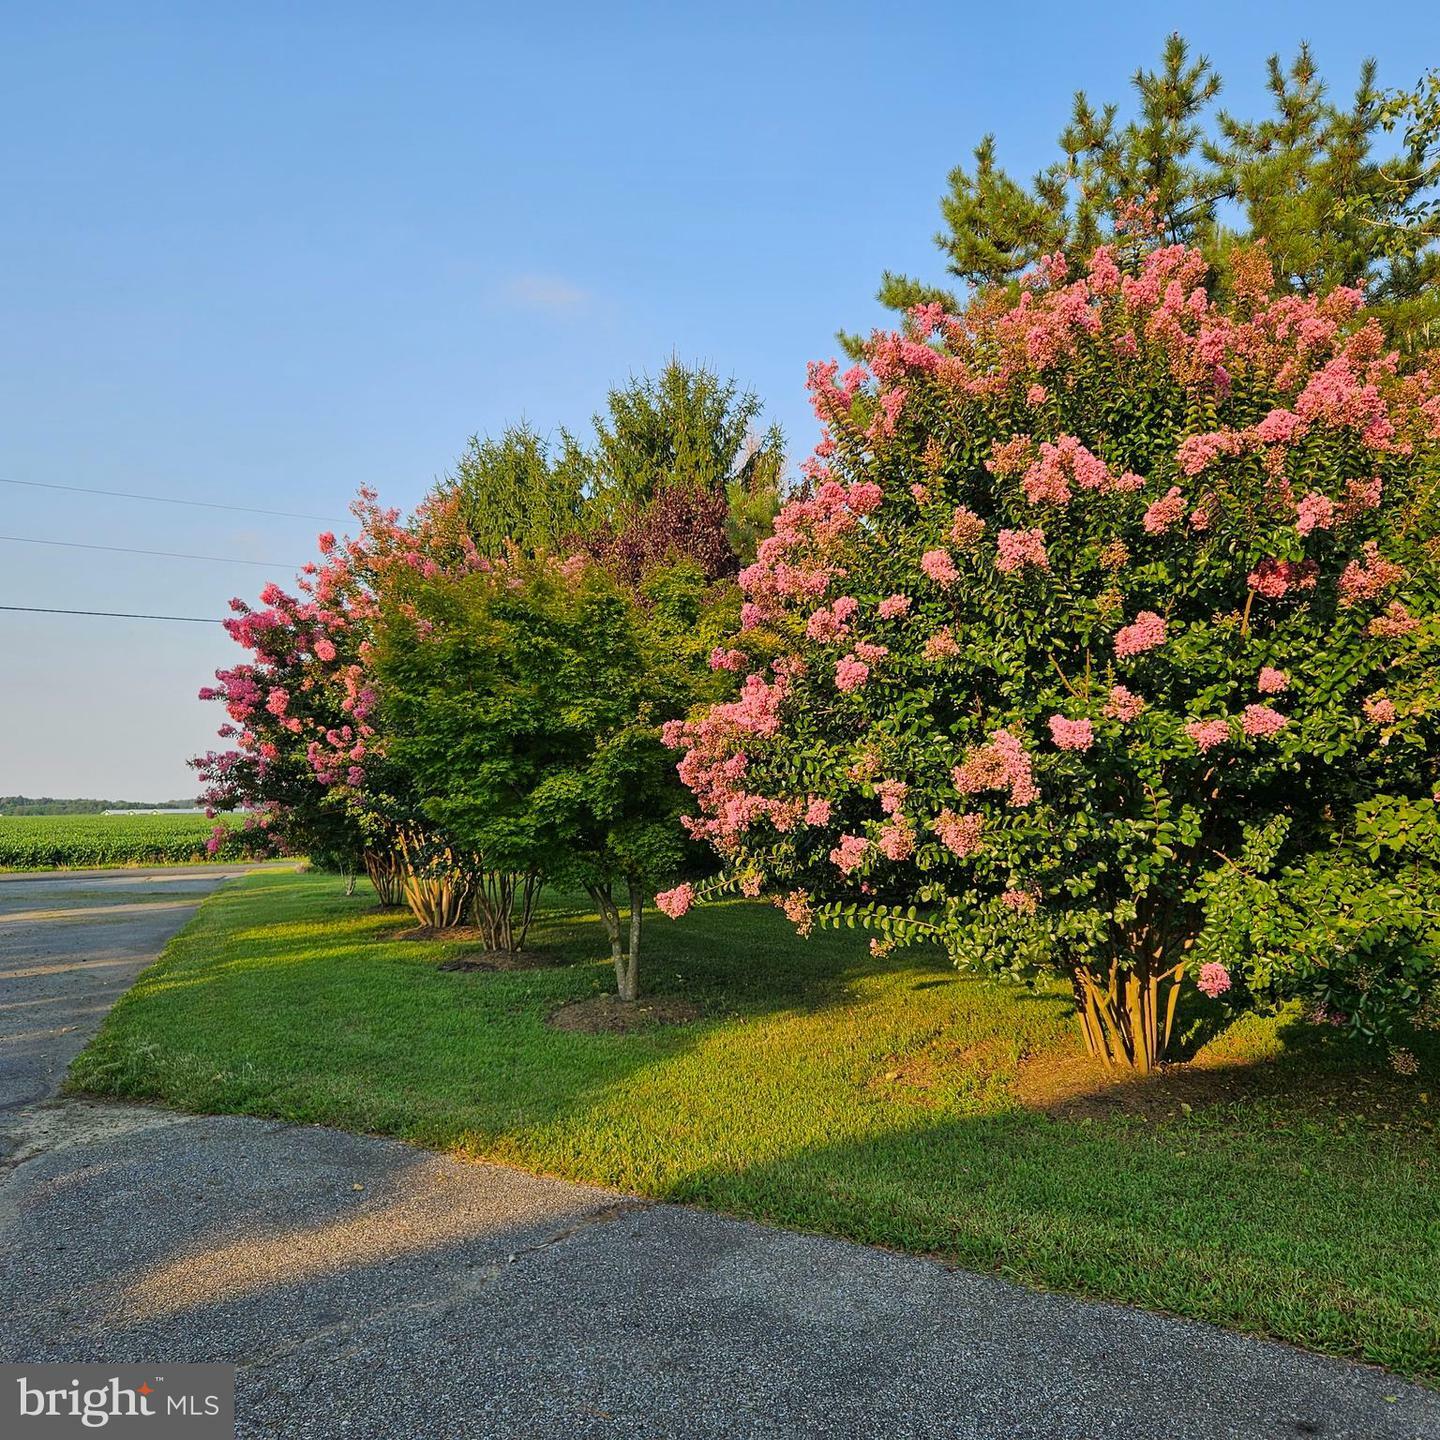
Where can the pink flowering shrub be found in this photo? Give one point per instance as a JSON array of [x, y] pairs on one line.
[[1167, 659]]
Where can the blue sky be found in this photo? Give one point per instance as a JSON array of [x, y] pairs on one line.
[[265, 254]]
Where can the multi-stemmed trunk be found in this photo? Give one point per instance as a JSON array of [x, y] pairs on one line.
[[624, 939], [1127, 1013], [494, 905], [435, 884], [387, 875]]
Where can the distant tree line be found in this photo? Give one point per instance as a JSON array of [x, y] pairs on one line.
[[48, 805]]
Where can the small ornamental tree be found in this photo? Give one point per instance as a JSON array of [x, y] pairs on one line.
[[307, 758], [1105, 645], [524, 701], [277, 703]]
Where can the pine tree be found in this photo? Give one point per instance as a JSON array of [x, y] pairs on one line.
[[1341, 193]]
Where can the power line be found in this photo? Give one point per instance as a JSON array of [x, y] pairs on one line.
[[163, 554], [111, 614], [169, 500]]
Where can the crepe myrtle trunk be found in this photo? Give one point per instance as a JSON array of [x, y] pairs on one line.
[[1126, 1010], [624, 939], [387, 875]]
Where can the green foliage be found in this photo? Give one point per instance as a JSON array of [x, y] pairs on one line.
[[47, 805], [1320, 181], [524, 703], [1108, 639], [507, 492], [684, 427]]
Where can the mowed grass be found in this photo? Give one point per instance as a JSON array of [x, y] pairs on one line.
[[1295, 1193]]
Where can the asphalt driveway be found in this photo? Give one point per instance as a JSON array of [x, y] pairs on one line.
[[368, 1289]]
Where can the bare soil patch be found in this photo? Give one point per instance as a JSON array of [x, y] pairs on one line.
[[460, 934], [494, 960], [610, 1015], [477, 955], [924, 1076], [1075, 1087]]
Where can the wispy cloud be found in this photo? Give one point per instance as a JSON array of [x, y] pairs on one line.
[[551, 293]]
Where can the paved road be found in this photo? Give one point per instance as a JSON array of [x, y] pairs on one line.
[[368, 1289], [70, 944]]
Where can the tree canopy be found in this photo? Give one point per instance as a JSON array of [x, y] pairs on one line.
[[1341, 191]]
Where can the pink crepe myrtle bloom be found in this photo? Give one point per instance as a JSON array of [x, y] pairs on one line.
[[1279, 427], [817, 812], [1123, 705], [1048, 480], [1071, 734], [942, 645], [897, 840], [325, 649], [891, 795], [1146, 632], [1272, 681], [869, 652], [1260, 722], [960, 834], [1214, 979], [848, 855], [864, 496], [796, 907], [893, 606], [1396, 620], [1369, 576], [727, 659], [1003, 764], [1314, 512], [1274, 579], [1163, 513], [1022, 902], [1010, 457], [966, 527], [1036, 395], [1380, 709], [1017, 548], [939, 567], [850, 673], [676, 902], [1207, 734]]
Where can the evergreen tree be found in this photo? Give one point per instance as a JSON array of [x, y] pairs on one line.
[[686, 427], [507, 492], [1341, 193]]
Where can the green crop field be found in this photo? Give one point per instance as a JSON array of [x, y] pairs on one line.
[[47, 842]]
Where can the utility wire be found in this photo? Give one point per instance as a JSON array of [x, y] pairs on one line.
[[111, 614], [169, 500], [163, 554]]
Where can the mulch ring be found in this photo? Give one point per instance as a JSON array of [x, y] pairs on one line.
[[477, 955], [610, 1015]]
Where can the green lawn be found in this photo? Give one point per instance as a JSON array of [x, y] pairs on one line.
[[1286, 1187]]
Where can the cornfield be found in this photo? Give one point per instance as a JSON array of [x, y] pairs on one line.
[[46, 842]]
